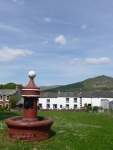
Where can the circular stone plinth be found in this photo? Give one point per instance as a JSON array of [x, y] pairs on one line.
[[29, 130]]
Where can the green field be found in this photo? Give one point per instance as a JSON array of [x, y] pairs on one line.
[[70, 131]]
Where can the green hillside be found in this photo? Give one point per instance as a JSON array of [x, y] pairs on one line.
[[98, 83]]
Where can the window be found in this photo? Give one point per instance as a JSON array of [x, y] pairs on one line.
[[1, 105], [48, 100], [89, 104], [6, 105], [7, 98], [67, 106], [54, 106], [75, 100], [1, 98], [75, 106], [67, 100], [48, 106], [60, 106], [40, 105]]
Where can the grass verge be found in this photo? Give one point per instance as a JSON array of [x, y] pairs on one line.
[[70, 131]]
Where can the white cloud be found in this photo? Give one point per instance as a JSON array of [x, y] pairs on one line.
[[83, 26], [75, 39], [60, 40], [9, 54], [45, 42], [98, 61], [14, 0], [75, 60], [47, 20], [20, 2], [9, 28]]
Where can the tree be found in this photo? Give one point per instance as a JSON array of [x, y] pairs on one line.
[[9, 86], [12, 101]]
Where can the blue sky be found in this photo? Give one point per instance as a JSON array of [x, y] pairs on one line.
[[64, 41]]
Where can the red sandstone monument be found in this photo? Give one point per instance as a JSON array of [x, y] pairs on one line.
[[29, 127]]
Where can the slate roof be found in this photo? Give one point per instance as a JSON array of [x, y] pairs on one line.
[[48, 94], [67, 94], [93, 94], [7, 91]]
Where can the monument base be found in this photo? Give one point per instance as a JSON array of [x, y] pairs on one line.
[[29, 130]]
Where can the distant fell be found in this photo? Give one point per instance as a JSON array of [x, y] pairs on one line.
[[42, 88], [101, 83]]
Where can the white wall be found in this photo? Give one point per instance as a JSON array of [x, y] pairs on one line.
[[94, 101], [59, 101], [62, 101], [44, 102]]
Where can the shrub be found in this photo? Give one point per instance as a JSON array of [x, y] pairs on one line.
[[95, 108], [12, 101], [2, 108], [100, 108]]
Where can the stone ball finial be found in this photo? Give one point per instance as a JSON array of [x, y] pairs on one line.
[[32, 74]]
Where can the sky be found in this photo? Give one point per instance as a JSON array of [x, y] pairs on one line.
[[63, 41]]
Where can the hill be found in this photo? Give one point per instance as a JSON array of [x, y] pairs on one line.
[[102, 83], [98, 83], [43, 88]]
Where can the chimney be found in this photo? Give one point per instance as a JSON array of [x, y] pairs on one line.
[[18, 91], [58, 91], [80, 90]]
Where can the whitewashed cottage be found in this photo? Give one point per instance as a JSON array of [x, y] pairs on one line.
[[73, 100]]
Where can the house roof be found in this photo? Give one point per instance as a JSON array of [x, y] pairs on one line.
[[93, 94], [7, 91], [48, 94], [67, 94], [89, 94]]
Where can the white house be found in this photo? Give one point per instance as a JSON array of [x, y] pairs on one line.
[[74, 100]]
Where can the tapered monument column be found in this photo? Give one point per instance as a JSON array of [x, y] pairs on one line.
[[30, 93]]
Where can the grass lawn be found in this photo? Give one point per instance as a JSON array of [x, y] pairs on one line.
[[71, 131]]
